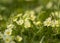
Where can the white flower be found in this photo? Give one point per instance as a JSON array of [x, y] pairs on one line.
[[10, 26], [47, 22], [32, 15], [20, 22], [27, 24], [55, 23], [1, 35], [12, 42], [49, 5], [8, 32], [18, 38], [7, 39], [56, 13]]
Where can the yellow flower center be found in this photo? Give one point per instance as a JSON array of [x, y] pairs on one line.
[[8, 32], [7, 39]]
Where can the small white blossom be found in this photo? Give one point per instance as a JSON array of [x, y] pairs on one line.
[[20, 22], [55, 23], [32, 15], [18, 38], [47, 22], [7, 39], [49, 5], [27, 24], [8, 32], [10, 26], [56, 13]]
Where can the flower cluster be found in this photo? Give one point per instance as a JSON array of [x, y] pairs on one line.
[[50, 22], [28, 19], [25, 19], [7, 35]]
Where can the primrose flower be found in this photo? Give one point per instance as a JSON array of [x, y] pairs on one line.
[[7, 39], [8, 32], [32, 15], [18, 38], [47, 22], [27, 24], [20, 22], [56, 13], [49, 5], [12, 42], [55, 23], [10, 26]]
